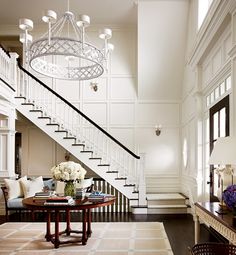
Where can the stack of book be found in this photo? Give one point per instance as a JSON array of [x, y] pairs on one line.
[[43, 195], [99, 197], [59, 200]]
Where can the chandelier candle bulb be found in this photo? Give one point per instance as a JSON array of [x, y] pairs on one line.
[[26, 24], [84, 21], [49, 17], [106, 34]]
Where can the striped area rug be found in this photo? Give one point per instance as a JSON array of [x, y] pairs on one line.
[[119, 238]]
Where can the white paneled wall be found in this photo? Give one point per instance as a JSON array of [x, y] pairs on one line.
[[207, 66], [216, 58]]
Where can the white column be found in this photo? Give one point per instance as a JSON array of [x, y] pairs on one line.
[[7, 144]]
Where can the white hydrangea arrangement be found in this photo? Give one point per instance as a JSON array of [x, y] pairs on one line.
[[68, 171]]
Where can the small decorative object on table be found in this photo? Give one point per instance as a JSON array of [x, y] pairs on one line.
[[229, 197], [98, 196], [69, 172]]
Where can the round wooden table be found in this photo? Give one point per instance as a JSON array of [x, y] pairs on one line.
[[79, 205]]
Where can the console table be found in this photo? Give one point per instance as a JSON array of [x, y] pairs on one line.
[[222, 223], [80, 205]]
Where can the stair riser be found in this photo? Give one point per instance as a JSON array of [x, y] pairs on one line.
[[167, 210]]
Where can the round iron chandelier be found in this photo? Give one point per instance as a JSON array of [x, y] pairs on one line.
[[64, 52]]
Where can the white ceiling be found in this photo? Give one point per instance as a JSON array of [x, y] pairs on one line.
[[111, 12]]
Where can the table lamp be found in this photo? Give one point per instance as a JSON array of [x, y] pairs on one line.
[[224, 155]]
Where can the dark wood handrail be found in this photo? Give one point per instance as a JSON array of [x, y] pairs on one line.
[[5, 50], [8, 85], [79, 112]]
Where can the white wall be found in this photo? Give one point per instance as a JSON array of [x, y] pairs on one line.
[[162, 27]]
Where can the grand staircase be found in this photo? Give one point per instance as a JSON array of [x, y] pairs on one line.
[[80, 136]]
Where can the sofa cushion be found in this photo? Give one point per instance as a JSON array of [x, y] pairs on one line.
[[30, 187], [14, 187], [15, 203]]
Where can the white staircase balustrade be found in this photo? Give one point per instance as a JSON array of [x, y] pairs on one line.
[[78, 134]]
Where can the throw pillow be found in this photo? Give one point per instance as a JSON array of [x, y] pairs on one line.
[[30, 187], [14, 187], [49, 184], [84, 184]]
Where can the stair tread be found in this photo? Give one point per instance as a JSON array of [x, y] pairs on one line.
[[165, 196], [27, 104], [44, 117], [20, 97], [167, 206], [36, 110]]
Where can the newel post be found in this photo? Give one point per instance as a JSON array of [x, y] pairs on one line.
[[142, 181], [13, 69]]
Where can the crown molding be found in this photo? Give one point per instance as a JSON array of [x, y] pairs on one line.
[[218, 17]]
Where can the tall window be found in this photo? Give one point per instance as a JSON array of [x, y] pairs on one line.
[[219, 127], [203, 6]]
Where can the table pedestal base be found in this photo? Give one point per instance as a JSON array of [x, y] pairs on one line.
[[54, 238]]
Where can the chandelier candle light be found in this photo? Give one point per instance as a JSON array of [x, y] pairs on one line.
[[63, 52]]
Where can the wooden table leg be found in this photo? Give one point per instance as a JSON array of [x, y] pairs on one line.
[[68, 227], [196, 229], [57, 218], [89, 219], [48, 227], [84, 227]]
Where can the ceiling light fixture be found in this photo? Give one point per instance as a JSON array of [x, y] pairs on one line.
[[64, 51]]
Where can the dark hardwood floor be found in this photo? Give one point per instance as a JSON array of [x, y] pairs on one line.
[[179, 227]]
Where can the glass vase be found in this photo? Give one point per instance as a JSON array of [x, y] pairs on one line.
[[69, 189]]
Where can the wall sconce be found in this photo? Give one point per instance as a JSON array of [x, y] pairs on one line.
[[158, 129], [94, 86]]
